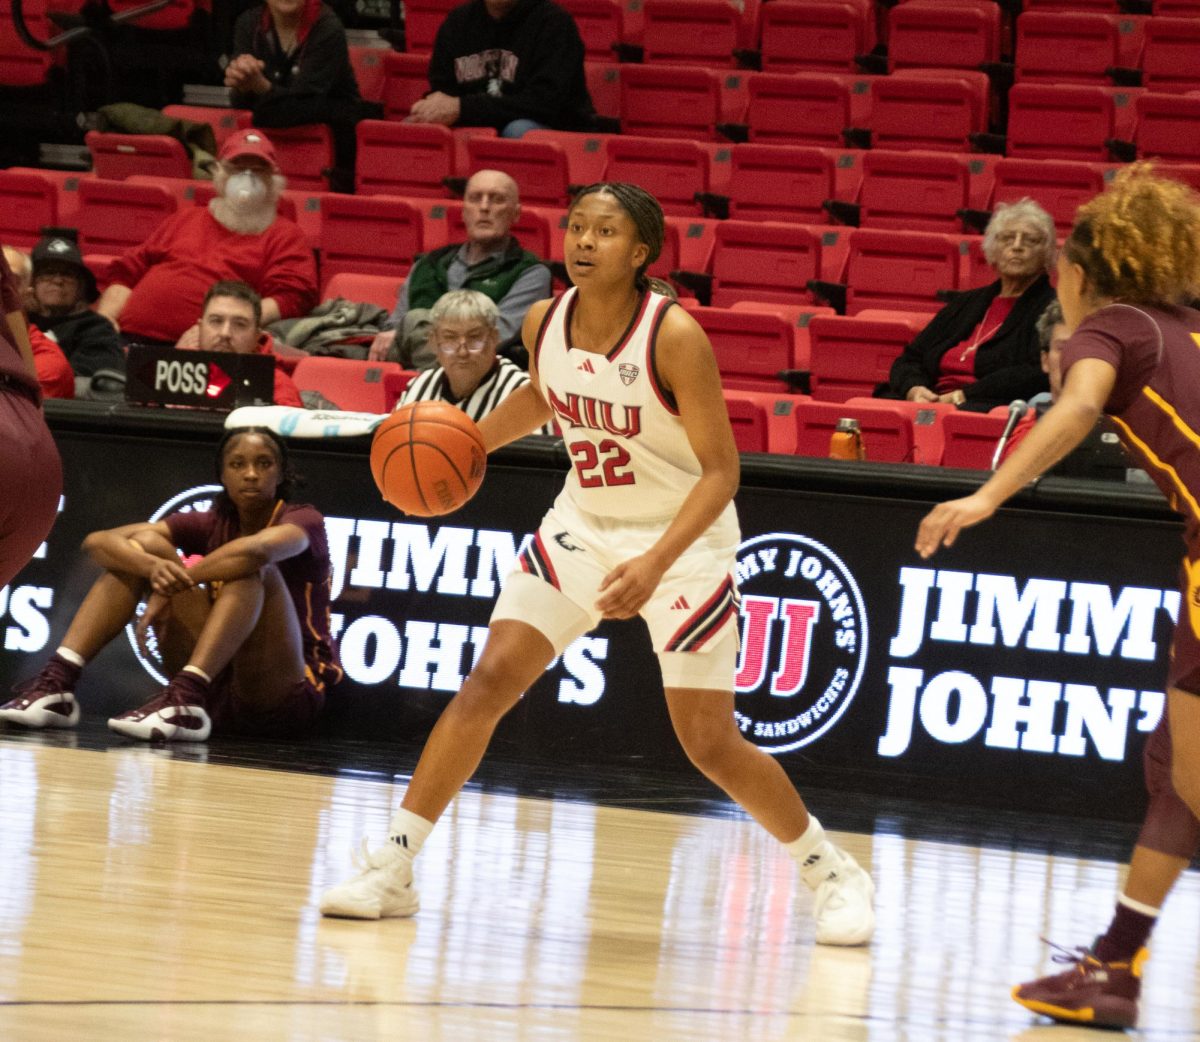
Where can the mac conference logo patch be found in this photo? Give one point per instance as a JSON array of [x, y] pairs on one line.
[[198, 498], [803, 640]]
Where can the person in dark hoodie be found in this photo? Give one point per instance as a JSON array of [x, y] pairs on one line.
[[516, 65], [291, 66], [982, 349], [61, 291]]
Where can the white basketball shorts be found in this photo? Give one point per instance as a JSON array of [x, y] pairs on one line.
[[692, 616]]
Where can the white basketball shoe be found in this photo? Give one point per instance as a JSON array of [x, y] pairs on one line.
[[383, 888], [842, 896]]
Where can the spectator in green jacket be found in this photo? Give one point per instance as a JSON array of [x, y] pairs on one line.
[[490, 261]]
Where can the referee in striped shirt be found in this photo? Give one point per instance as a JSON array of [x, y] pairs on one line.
[[464, 333]]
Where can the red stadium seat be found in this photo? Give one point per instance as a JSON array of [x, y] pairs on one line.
[[1047, 121], [915, 191], [20, 64], [223, 121], [600, 24], [381, 290], [1059, 186], [767, 261], [305, 155], [1168, 127], [673, 170], [585, 153], [939, 113], [405, 81], [28, 203], [970, 439], [781, 183], [691, 32], [670, 101], [748, 418], [887, 433], [403, 158], [118, 156], [900, 270], [371, 235], [850, 355], [1075, 47], [422, 19], [351, 384], [943, 35], [1171, 54], [804, 108], [752, 349], [539, 166], [115, 216], [815, 35], [604, 85], [368, 70]]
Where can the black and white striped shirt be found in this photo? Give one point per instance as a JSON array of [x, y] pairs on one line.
[[432, 385]]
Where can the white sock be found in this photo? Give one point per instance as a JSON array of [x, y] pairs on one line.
[[72, 657], [1138, 906], [809, 845], [409, 831], [196, 671]]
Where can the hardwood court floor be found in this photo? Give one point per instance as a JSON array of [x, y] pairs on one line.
[[145, 897]]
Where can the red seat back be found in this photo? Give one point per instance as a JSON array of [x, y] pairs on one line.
[[928, 113], [538, 166], [382, 290], [901, 270], [690, 32], [371, 235], [1066, 122], [887, 433], [1059, 186], [118, 156], [943, 35], [748, 418], [674, 171], [848, 356], [766, 261], [800, 109], [351, 384], [1167, 127], [405, 81], [117, 215], [916, 191], [367, 63], [970, 439], [662, 101], [28, 203], [781, 183], [403, 158], [816, 36], [751, 349]]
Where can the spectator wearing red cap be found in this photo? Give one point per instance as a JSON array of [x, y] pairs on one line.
[[157, 289], [291, 66]]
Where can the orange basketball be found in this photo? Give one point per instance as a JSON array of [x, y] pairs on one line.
[[428, 458]]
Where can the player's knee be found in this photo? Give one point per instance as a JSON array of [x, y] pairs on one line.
[[706, 746], [490, 689], [1185, 778]]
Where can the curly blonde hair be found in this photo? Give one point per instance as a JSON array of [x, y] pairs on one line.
[[1139, 240]]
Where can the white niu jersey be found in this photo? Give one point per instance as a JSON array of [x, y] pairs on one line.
[[630, 455]]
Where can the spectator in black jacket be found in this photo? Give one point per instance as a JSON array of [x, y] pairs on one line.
[[516, 65], [982, 349], [291, 66], [62, 289]]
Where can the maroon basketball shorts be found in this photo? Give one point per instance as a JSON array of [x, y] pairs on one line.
[[31, 480]]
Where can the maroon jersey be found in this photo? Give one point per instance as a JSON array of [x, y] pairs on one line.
[[308, 575], [1155, 401], [12, 365]]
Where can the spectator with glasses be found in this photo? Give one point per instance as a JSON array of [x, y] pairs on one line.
[[464, 335], [982, 349]]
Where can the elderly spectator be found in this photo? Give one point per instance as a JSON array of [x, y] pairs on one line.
[[61, 291], [491, 261], [54, 373], [516, 65], [469, 374], [291, 66], [158, 288], [232, 321], [981, 349]]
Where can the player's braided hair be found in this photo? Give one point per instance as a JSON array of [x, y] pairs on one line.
[[643, 210], [1140, 239]]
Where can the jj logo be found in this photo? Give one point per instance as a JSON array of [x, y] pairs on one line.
[[804, 640]]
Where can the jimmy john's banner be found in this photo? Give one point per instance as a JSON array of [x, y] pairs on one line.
[[1023, 667]]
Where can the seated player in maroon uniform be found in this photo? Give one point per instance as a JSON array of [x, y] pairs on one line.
[[1127, 269], [243, 629]]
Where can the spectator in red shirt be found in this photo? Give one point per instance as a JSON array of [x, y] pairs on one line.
[[157, 288], [231, 321], [54, 372]]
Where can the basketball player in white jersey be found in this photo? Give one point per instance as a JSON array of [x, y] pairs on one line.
[[645, 525]]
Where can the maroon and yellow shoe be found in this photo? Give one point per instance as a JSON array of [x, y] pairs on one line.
[[1103, 994]]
